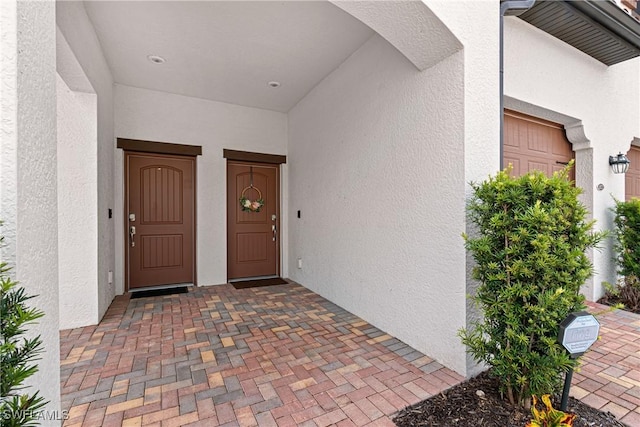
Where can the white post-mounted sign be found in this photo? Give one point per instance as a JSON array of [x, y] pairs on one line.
[[578, 332]]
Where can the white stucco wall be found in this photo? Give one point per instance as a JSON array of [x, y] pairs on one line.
[[548, 73], [77, 207], [75, 26], [163, 117], [375, 170], [28, 199]]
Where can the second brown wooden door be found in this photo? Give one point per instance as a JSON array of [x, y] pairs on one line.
[[253, 237]]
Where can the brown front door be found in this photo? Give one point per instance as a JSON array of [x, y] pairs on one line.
[[632, 177], [531, 143], [160, 219], [253, 235]]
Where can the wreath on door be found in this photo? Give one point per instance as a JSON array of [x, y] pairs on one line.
[[246, 203], [249, 205]]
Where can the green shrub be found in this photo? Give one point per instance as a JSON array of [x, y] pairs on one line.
[[530, 261], [627, 229], [17, 355]]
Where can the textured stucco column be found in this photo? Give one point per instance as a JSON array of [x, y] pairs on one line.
[[468, 20], [28, 196]]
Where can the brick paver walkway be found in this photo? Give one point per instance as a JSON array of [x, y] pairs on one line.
[[279, 355], [282, 356], [609, 378]]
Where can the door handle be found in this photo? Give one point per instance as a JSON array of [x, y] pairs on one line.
[[132, 235], [273, 228]]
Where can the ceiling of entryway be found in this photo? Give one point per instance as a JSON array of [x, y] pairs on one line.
[[226, 51]]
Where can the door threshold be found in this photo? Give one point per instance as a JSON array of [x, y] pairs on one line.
[[246, 279], [155, 288]]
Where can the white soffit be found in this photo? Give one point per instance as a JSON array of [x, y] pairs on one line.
[[226, 51]]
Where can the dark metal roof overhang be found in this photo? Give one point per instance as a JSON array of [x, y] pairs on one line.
[[598, 28]]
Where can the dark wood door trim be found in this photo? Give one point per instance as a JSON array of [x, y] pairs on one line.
[[125, 213], [158, 147], [247, 156]]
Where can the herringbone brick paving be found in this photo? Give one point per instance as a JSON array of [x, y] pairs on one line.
[[272, 356], [283, 356]]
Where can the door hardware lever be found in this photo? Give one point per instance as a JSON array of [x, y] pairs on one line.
[[273, 228], [132, 234]]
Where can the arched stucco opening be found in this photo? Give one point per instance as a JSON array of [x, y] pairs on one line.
[[424, 111], [410, 26]]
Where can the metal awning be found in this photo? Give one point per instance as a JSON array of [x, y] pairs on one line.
[[598, 28]]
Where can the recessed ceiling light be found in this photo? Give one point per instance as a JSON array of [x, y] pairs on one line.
[[156, 59], [274, 84]]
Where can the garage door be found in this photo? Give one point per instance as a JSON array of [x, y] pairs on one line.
[[531, 143], [632, 177]]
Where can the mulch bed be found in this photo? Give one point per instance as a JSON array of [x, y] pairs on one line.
[[611, 300], [461, 406]]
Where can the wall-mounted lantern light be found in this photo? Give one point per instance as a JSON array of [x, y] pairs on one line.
[[619, 163]]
